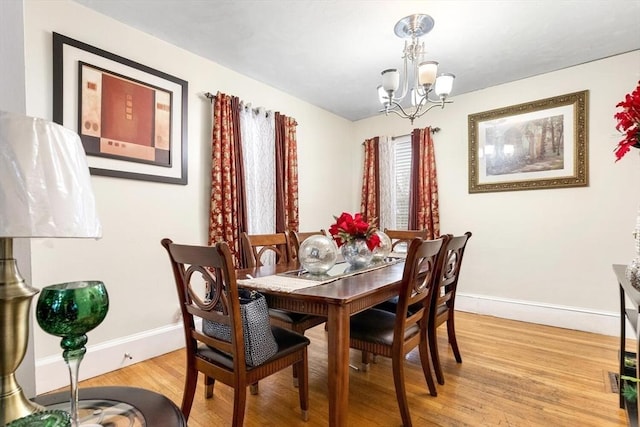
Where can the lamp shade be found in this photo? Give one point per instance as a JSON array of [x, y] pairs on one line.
[[383, 97], [390, 80], [46, 187], [427, 72], [444, 84]]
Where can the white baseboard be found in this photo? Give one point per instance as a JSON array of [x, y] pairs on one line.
[[52, 373], [600, 322]]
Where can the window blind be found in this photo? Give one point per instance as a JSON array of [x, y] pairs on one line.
[[402, 159]]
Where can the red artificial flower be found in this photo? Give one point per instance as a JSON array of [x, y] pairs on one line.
[[348, 228], [373, 241], [628, 123]]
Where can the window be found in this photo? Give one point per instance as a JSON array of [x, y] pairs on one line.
[[402, 177]]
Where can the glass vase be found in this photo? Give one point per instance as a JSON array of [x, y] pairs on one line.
[[356, 253], [69, 311], [633, 269], [382, 251]]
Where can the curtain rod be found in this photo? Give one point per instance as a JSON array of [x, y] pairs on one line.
[[212, 97], [433, 130]]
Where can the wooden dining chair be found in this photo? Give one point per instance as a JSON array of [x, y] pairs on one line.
[[443, 303], [297, 237], [261, 249], [207, 289], [401, 238], [393, 335], [255, 249]]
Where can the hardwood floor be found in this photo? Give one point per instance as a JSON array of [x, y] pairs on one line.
[[513, 374]]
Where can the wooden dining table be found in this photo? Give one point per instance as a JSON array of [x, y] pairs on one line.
[[338, 301]]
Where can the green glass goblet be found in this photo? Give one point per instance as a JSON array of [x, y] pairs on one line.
[[70, 310]]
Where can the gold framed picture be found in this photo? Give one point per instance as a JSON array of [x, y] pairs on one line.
[[131, 118], [535, 145]]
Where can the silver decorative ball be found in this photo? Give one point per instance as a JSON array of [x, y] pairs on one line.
[[317, 254], [382, 251]]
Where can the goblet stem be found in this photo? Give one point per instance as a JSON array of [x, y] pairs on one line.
[[73, 359]]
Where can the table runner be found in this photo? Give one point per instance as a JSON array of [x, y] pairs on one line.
[[280, 283]]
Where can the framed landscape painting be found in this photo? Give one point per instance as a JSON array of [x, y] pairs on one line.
[[131, 118], [540, 144]]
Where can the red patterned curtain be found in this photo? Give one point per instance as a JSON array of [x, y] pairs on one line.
[[227, 216], [286, 174], [423, 194], [370, 199]]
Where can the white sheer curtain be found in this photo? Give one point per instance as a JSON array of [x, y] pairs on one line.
[[257, 128], [386, 168]]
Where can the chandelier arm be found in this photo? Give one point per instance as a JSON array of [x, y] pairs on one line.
[[439, 104], [399, 114], [395, 110], [405, 83], [420, 91], [437, 101]]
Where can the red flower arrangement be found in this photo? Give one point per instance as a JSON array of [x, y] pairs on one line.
[[628, 123], [348, 228]]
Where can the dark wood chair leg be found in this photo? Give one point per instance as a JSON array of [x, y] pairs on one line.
[[453, 341], [190, 382], [208, 386], [253, 389], [401, 393], [239, 403], [426, 365], [366, 359], [294, 367], [435, 358], [303, 387]]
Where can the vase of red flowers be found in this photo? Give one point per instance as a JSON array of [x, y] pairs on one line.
[[356, 239], [356, 253], [628, 119], [633, 269], [628, 122]]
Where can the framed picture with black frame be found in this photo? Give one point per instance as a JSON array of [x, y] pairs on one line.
[[535, 145], [131, 118]]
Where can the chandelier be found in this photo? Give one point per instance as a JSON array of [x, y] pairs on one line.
[[423, 74]]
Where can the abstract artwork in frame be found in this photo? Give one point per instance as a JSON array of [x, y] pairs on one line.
[[535, 145], [131, 118]]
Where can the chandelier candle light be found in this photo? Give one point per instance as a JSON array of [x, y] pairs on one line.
[[424, 74]]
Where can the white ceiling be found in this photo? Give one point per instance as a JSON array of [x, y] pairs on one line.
[[330, 52]]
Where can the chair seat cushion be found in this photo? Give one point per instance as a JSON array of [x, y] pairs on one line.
[[288, 342], [441, 309], [376, 326], [289, 316], [391, 306]]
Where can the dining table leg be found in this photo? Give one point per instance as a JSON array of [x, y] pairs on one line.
[[338, 361]]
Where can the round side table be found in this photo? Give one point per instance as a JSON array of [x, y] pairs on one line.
[[120, 407]]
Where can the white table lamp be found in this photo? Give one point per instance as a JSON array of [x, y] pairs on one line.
[[45, 191]]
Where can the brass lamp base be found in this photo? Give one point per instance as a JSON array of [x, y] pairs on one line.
[[13, 403], [15, 300]]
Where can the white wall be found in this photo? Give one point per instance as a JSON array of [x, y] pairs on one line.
[[136, 215], [540, 255], [12, 88]]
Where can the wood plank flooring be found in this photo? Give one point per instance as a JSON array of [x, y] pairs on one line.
[[513, 374]]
